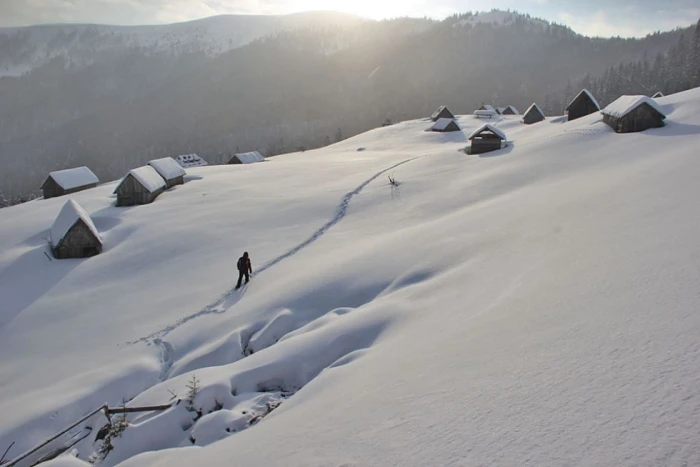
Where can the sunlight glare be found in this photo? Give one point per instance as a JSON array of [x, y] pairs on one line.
[[374, 9]]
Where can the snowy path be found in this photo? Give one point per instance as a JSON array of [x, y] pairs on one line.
[[230, 298]]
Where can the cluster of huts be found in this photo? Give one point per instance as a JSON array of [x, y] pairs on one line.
[[74, 235], [627, 114], [486, 138]]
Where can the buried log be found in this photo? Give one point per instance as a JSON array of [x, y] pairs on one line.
[[108, 411]]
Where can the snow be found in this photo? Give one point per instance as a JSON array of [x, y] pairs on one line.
[[513, 109], [74, 178], [488, 108], [190, 160], [496, 17], [69, 215], [626, 104], [250, 157], [488, 127], [590, 96], [442, 124], [535, 307], [82, 44], [167, 168], [148, 177]]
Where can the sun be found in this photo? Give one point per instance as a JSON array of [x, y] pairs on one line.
[[373, 9]]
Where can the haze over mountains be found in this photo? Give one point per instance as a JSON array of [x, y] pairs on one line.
[[115, 97]]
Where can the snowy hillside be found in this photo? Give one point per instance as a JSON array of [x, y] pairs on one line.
[[533, 306], [496, 17], [24, 49]]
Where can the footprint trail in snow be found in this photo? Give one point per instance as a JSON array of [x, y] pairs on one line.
[[230, 297]]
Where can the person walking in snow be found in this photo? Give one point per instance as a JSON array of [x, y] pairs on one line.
[[244, 269]]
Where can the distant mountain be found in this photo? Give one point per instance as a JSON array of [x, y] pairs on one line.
[[291, 90], [25, 49]]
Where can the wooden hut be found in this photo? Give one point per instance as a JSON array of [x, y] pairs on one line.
[[140, 186], [510, 110], [533, 115], [445, 125], [190, 160], [658, 94], [484, 113], [247, 158], [582, 105], [630, 114], [500, 110], [73, 234], [169, 170], [486, 139], [65, 182], [441, 112], [487, 107]]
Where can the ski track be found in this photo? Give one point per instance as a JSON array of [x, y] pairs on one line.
[[227, 300]]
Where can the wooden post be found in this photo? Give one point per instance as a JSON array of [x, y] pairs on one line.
[[107, 411]]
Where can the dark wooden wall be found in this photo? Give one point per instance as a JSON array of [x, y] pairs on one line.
[[79, 242], [132, 193]]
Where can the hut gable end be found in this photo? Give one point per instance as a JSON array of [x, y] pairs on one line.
[[533, 115], [73, 234], [445, 125], [442, 112], [486, 139], [583, 104]]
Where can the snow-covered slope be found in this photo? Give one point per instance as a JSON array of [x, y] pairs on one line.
[[497, 18], [23, 49], [532, 306]]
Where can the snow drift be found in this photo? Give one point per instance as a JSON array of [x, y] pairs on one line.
[[534, 307]]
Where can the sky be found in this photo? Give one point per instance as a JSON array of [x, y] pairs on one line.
[[626, 18]]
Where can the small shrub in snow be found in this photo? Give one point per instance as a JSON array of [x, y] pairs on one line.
[[115, 429], [192, 390]]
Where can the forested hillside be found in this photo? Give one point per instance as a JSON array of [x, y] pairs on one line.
[[306, 87]]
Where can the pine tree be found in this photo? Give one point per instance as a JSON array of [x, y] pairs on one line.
[[695, 58]]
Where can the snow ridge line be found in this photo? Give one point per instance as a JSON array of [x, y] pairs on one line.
[[220, 305]]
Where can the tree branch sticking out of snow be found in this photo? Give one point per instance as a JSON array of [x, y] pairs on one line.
[[393, 182]]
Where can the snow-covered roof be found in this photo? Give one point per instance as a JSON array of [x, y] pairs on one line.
[[491, 128], [532, 108], [71, 213], [148, 177], [500, 110], [167, 168], [190, 160], [439, 110], [488, 107], [626, 104], [250, 157], [484, 113], [513, 109], [442, 124], [658, 94], [587, 93], [74, 178]]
